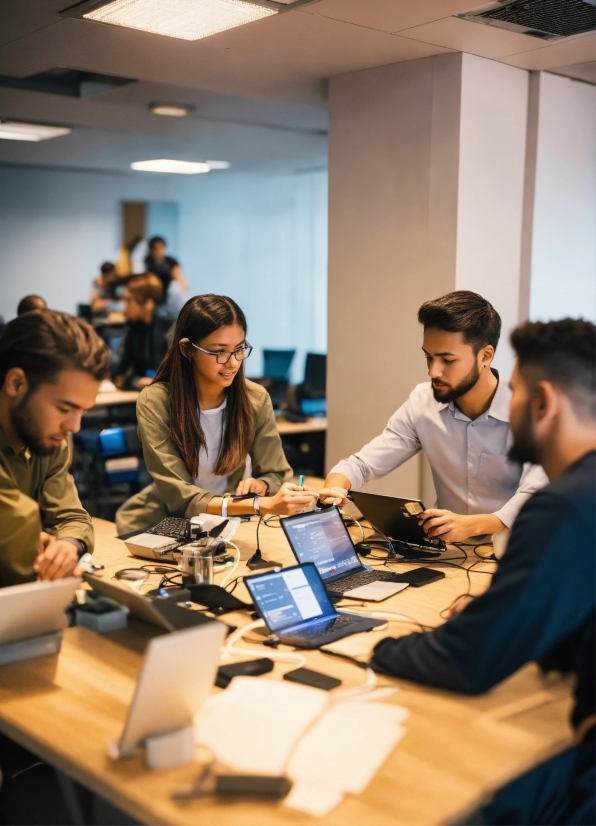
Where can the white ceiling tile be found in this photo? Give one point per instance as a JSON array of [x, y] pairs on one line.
[[578, 49], [474, 38], [579, 71], [389, 15]]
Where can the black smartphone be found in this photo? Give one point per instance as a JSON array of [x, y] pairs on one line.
[[312, 678], [250, 668], [421, 576], [239, 496]]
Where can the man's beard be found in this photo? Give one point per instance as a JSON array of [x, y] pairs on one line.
[[524, 448], [453, 393], [27, 430]]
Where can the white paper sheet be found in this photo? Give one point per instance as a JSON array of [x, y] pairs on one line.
[[347, 745], [254, 724]]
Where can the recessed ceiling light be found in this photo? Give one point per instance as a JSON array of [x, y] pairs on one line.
[[186, 19], [12, 130], [171, 110], [218, 164], [166, 165]]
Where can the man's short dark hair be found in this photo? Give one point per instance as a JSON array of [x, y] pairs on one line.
[[43, 343], [464, 312], [145, 286], [107, 267], [562, 352], [157, 239], [31, 302]]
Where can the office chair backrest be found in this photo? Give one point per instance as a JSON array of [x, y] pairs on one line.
[[277, 363], [315, 373]]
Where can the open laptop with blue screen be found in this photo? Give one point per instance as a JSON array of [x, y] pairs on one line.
[[322, 538], [295, 606]]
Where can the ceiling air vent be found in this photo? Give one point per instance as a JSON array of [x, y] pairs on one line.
[[546, 19]]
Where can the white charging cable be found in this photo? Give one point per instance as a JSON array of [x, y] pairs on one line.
[[230, 647], [233, 568]]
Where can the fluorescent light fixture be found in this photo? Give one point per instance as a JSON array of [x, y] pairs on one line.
[[12, 130], [166, 165], [170, 110], [218, 164], [186, 19]]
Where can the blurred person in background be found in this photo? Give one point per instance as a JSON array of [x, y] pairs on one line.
[[106, 294], [167, 269], [31, 302], [147, 338]]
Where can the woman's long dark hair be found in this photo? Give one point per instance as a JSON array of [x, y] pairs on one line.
[[201, 316]]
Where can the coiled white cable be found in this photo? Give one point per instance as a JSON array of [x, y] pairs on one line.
[[235, 565], [230, 647]]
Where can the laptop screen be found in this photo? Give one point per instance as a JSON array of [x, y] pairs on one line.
[[289, 597], [322, 538]]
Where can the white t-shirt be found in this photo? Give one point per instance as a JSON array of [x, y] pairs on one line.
[[212, 422]]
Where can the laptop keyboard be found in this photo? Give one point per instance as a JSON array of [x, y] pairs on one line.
[[327, 627], [361, 578], [173, 526]]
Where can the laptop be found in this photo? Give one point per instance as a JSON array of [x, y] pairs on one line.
[[322, 538], [397, 520], [172, 685], [297, 609], [160, 611], [35, 608]]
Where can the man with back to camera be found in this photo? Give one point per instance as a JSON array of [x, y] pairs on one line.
[[461, 421], [51, 365], [146, 340], [541, 602], [31, 302]]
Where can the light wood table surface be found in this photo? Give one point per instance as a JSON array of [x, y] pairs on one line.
[[457, 749], [315, 424], [112, 397]]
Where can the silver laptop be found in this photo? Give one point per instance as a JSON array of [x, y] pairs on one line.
[[35, 608], [176, 678]]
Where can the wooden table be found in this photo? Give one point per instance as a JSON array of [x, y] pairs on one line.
[[315, 424], [113, 397], [456, 751]]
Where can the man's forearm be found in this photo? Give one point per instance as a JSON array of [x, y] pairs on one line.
[[338, 480], [486, 523]]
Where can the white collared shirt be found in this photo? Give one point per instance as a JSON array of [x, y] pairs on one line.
[[468, 457]]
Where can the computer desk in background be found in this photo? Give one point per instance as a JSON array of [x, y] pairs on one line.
[[314, 424], [456, 751]]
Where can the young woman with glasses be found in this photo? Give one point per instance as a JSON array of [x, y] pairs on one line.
[[201, 419]]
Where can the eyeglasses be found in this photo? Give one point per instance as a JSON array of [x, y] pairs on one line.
[[223, 357]]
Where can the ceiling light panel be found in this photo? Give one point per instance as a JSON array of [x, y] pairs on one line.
[[170, 110], [167, 165], [34, 132], [186, 19]]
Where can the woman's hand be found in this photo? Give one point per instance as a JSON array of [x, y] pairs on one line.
[[251, 485], [334, 496], [289, 499]]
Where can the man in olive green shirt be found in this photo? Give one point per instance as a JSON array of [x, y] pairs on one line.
[[50, 368]]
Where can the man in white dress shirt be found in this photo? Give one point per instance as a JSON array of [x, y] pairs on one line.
[[461, 421]]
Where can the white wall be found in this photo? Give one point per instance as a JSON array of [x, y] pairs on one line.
[[262, 239], [563, 230], [494, 100], [56, 228], [259, 238]]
